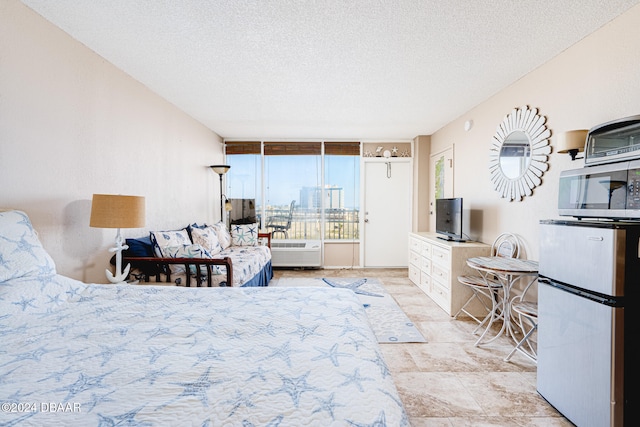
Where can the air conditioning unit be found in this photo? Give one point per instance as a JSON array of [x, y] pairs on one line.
[[296, 253]]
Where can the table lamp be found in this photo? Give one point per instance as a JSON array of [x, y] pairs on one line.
[[117, 211]]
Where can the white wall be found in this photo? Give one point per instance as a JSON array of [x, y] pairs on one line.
[[595, 81], [71, 125]]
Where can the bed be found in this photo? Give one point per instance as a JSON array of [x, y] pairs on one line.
[[75, 353]]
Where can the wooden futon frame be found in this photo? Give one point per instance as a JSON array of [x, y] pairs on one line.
[[161, 266]]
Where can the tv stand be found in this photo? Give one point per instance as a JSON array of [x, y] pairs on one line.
[[435, 264]]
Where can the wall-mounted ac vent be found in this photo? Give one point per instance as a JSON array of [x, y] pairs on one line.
[[296, 253]]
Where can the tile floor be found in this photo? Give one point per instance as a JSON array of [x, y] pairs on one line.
[[447, 382]]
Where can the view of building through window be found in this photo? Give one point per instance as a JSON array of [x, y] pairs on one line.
[[294, 198]]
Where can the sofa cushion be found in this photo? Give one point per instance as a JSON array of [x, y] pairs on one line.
[[189, 251], [165, 239], [224, 237], [244, 234], [207, 237], [21, 253], [247, 261], [142, 247]]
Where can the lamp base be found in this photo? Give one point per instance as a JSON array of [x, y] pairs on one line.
[[120, 275], [118, 278]]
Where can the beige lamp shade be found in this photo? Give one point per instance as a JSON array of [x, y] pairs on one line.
[[571, 140], [220, 169], [117, 211]]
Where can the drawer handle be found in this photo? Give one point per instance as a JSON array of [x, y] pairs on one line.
[[596, 238]]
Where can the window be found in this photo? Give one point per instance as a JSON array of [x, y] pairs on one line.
[[323, 208], [341, 192], [291, 172], [244, 177]]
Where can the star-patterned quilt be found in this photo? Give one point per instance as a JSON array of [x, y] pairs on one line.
[[79, 354]]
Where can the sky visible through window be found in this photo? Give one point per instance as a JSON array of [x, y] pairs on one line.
[[286, 175]]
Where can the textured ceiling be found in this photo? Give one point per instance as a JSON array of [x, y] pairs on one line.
[[332, 69]]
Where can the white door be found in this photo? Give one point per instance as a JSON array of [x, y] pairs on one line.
[[440, 181], [387, 212]]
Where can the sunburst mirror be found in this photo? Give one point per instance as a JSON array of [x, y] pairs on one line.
[[519, 153]]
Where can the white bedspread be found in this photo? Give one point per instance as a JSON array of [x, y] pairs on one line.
[[83, 354]]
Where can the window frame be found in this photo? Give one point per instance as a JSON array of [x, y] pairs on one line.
[[322, 148]]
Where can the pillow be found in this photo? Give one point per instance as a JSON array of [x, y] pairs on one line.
[[244, 234], [189, 251], [164, 239], [141, 247], [207, 238], [21, 253], [223, 234]]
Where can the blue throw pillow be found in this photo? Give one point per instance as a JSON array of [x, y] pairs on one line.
[[140, 247]]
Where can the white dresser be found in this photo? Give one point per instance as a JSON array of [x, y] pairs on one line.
[[435, 264]]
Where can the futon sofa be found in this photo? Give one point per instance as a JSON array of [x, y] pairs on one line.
[[208, 255]]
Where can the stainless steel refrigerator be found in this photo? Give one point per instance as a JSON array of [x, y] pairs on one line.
[[588, 319]]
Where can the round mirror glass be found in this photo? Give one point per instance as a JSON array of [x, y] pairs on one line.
[[515, 155], [519, 153]]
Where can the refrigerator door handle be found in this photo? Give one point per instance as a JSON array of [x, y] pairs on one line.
[[599, 298]]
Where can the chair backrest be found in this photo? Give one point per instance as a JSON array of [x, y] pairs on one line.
[[293, 204], [506, 245]]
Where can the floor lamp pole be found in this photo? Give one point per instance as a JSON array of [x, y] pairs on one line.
[[221, 198], [221, 170]]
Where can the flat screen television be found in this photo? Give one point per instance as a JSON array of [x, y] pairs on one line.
[[449, 219]]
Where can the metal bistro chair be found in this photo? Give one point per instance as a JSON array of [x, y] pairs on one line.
[[281, 223], [487, 289], [528, 311]]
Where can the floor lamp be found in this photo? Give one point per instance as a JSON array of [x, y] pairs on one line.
[[117, 211], [221, 170]]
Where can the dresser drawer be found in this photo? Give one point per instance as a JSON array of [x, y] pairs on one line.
[[425, 280], [414, 273], [425, 250], [415, 259], [425, 286], [425, 265], [440, 293], [440, 256], [440, 274], [415, 245]]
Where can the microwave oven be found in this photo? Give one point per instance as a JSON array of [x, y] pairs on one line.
[[614, 141], [610, 191]]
